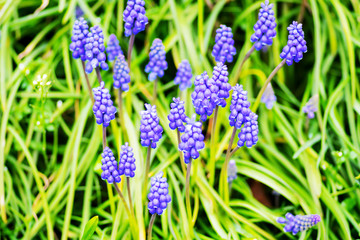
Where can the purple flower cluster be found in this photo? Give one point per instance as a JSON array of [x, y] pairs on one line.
[[127, 161], [311, 106], [94, 50], [232, 171], [249, 132], [78, 12], [265, 26], [296, 44], [224, 49], [298, 223], [183, 75], [113, 48], [109, 167], [268, 97], [78, 39], [192, 141], [150, 129], [220, 84], [239, 107], [103, 107], [177, 116], [158, 196], [157, 64], [202, 95], [134, 17], [121, 74]]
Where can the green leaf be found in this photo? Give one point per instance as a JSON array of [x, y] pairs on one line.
[[90, 228]]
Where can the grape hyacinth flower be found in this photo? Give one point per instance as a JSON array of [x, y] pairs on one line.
[[265, 26], [239, 107], [221, 81], [177, 116], [192, 141], [109, 167], [103, 107], [127, 161], [121, 74], [94, 50], [78, 39], [158, 196], [296, 45], [157, 64], [201, 97], [269, 97], [249, 132], [183, 75], [311, 106], [134, 17], [298, 223], [224, 49], [113, 48], [232, 171], [150, 129], [78, 12]]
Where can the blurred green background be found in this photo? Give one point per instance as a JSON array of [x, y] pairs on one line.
[[50, 185]]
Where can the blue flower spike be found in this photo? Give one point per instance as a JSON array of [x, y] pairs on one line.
[[150, 129], [183, 75], [298, 223], [249, 132], [134, 17], [224, 49], [220, 84], [157, 63], [311, 106], [177, 116], [296, 44], [269, 97], [113, 48], [78, 12], [127, 161], [239, 108], [232, 171], [78, 39], [109, 167], [158, 196], [103, 108], [192, 141], [94, 50], [121, 74], [264, 27]]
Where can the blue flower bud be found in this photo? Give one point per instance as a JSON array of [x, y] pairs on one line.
[[249, 132], [109, 167], [103, 106], [183, 75], [269, 97], [121, 74], [134, 17], [158, 196], [78, 39], [127, 161], [298, 223], [157, 64], [113, 48], [239, 108], [224, 49], [177, 116], [150, 129]]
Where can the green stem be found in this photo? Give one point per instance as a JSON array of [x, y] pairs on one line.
[[212, 150], [129, 193], [131, 45], [151, 224], [182, 162], [98, 74], [87, 82], [147, 166], [155, 91], [104, 137], [233, 151], [247, 55], [121, 116], [187, 196]]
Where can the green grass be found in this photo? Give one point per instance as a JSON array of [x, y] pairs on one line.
[[50, 185]]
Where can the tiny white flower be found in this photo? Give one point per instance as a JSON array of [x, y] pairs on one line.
[[59, 103], [27, 71], [22, 66], [38, 123]]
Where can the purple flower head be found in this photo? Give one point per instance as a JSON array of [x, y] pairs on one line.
[[239, 107], [201, 96], [109, 167], [264, 27], [249, 132], [127, 161], [113, 48], [269, 97], [150, 129], [296, 44], [94, 50], [177, 116], [121, 74], [134, 17], [78, 12], [232, 171], [192, 141], [221, 81], [311, 106], [159, 194], [103, 107], [78, 39], [157, 63], [298, 223], [183, 75], [224, 49]]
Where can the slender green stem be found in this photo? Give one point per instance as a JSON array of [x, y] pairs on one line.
[[129, 193], [262, 90], [147, 166], [104, 137], [121, 113], [151, 224], [187, 196], [131, 45], [183, 167], [98, 74], [247, 55], [233, 151], [122, 198], [212, 150], [87, 82], [154, 96]]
